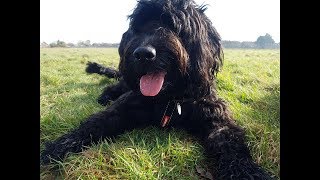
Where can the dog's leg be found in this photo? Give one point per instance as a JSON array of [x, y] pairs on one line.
[[124, 114], [93, 67], [225, 142], [112, 92]]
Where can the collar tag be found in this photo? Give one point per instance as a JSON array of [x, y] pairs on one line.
[[179, 108]]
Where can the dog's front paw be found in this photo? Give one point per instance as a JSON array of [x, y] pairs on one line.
[[47, 154], [53, 151], [44, 160], [92, 67]]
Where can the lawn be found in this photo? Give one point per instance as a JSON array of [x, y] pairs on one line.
[[249, 82]]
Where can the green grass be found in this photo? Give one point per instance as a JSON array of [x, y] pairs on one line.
[[249, 82]]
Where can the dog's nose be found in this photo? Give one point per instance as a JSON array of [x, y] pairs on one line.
[[145, 53]]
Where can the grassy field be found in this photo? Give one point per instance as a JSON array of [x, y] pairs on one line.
[[249, 82]]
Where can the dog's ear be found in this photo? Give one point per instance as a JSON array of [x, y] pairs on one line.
[[203, 44], [124, 40], [215, 41]]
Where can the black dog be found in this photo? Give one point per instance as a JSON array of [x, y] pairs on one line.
[[169, 57]]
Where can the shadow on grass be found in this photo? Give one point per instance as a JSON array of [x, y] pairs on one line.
[[263, 131], [153, 146], [267, 108]]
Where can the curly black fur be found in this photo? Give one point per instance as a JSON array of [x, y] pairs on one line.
[[188, 49]]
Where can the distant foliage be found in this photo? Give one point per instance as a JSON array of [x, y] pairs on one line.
[[265, 41], [115, 45], [231, 44], [58, 44], [262, 42], [71, 45], [83, 44], [44, 45]]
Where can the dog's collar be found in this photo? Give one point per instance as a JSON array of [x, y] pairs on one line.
[[168, 112], [173, 105]]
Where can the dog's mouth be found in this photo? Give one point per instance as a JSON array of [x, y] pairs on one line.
[[151, 83]]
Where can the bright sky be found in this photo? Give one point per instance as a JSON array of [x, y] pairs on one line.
[[106, 20]]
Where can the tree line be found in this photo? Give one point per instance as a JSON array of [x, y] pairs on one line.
[[80, 44], [262, 42]]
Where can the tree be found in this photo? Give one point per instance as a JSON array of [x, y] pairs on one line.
[[80, 44], [231, 44], [58, 44], [248, 45], [53, 44], [61, 44], [265, 41], [70, 45], [87, 43], [44, 45]]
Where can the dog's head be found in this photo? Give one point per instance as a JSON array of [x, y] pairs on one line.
[[170, 49]]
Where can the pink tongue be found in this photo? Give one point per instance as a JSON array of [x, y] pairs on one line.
[[150, 84]]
